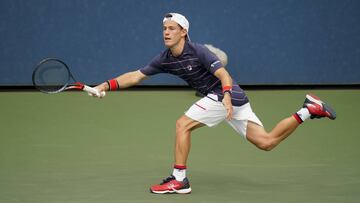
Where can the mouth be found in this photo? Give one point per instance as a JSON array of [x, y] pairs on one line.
[[167, 38]]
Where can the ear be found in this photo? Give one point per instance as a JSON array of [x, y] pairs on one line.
[[183, 32]]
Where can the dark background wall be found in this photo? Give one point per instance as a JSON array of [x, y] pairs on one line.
[[267, 41]]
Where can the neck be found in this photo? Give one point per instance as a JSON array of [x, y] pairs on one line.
[[178, 48]]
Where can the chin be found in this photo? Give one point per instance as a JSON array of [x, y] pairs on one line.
[[168, 44]]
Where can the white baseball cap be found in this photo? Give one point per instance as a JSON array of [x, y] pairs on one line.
[[179, 19]]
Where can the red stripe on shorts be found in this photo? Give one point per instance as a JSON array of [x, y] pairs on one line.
[[200, 106]]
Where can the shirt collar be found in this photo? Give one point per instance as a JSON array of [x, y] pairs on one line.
[[185, 50]]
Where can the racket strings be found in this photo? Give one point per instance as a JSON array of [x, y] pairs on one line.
[[51, 76]]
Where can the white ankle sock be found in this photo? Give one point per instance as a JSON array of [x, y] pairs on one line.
[[179, 174], [303, 114]]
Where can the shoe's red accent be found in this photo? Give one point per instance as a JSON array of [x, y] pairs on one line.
[[297, 117], [168, 187], [171, 185], [179, 167], [317, 108]]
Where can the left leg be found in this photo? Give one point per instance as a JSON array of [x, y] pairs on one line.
[[313, 108], [257, 135]]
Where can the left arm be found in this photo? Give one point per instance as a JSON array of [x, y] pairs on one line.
[[226, 80]]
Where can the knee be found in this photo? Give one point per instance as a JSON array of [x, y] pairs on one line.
[[266, 147], [266, 144], [181, 125]]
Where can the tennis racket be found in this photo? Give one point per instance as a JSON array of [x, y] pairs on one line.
[[52, 75]]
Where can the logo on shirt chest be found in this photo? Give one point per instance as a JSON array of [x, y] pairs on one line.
[[189, 67]]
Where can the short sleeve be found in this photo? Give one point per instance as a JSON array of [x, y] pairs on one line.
[[154, 67], [209, 59]]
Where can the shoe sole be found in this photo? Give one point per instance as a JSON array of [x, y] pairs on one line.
[[182, 191], [326, 107]]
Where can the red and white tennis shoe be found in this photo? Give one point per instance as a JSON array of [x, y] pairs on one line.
[[318, 108], [170, 185]]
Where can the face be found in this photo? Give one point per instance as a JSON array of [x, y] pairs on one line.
[[172, 33]]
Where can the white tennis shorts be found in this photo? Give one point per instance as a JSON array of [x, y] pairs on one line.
[[211, 112]]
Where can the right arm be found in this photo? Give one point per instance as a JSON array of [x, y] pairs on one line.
[[125, 80], [132, 78]]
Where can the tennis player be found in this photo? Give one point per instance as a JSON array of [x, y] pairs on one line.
[[223, 99]]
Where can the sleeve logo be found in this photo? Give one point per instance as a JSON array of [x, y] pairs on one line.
[[213, 64]]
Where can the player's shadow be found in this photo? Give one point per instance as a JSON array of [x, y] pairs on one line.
[[232, 183]]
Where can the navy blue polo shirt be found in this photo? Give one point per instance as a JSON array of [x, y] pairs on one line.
[[196, 65]]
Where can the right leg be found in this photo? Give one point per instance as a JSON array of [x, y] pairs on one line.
[[204, 112], [177, 182], [184, 126]]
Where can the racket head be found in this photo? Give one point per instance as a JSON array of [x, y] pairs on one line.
[[51, 75]]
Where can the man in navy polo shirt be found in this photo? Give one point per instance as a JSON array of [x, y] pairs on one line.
[[223, 99]]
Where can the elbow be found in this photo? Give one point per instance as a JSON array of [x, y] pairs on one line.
[[223, 75], [137, 77]]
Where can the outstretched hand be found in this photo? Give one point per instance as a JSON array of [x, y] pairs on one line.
[[100, 88]]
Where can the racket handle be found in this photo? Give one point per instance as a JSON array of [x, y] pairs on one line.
[[94, 91]]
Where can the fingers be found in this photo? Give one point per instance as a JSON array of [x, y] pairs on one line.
[[228, 106], [102, 94], [229, 113], [99, 95], [229, 110], [94, 95], [99, 92]]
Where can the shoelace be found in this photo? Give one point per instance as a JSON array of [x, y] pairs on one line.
[[168, 179]]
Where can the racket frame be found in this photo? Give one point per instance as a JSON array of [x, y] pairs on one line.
[[67, 85]]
